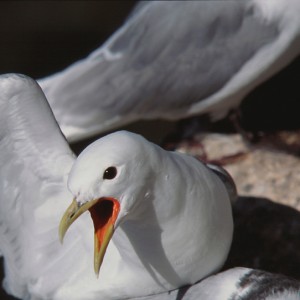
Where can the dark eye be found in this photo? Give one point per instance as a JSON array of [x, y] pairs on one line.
[[110, 173]]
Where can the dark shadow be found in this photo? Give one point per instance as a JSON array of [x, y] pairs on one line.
[[266, 237], [3, 295]]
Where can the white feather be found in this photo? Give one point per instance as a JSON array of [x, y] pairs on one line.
[[174, 59], [175, 224], [238, 283]]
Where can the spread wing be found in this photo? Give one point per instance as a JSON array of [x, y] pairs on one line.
[[175, 59], [35, 160]]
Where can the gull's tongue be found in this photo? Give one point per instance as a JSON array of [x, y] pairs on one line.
[[104, 214]]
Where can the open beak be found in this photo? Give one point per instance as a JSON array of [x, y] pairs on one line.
[[104, 212]]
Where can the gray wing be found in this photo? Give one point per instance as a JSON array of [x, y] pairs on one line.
[[35, 160], [237, 283], [173, 59], [225, 177]]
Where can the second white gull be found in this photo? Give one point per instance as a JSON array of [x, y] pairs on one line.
[[175, 59]]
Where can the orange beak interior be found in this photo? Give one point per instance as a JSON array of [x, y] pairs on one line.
[[104, 214]]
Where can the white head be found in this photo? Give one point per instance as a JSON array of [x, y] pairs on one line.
[[109, 178], [109, 166]]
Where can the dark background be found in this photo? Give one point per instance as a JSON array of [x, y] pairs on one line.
[[41, 37], [38, 38]]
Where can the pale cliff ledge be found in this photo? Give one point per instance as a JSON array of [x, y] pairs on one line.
[[269, 168]]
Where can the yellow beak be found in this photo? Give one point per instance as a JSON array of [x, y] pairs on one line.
[[104, 212]]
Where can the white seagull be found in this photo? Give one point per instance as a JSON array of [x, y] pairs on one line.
[[175, 59], [168, 215]]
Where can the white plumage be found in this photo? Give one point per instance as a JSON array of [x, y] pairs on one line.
[[238, 283], [174, 226], [174, 59]]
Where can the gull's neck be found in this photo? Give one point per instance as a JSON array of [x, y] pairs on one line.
[[174, 229]]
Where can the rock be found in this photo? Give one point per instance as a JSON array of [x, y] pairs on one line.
[[268, 169]]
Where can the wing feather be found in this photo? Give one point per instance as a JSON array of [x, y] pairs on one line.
[[175, 59], [35, 161]]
